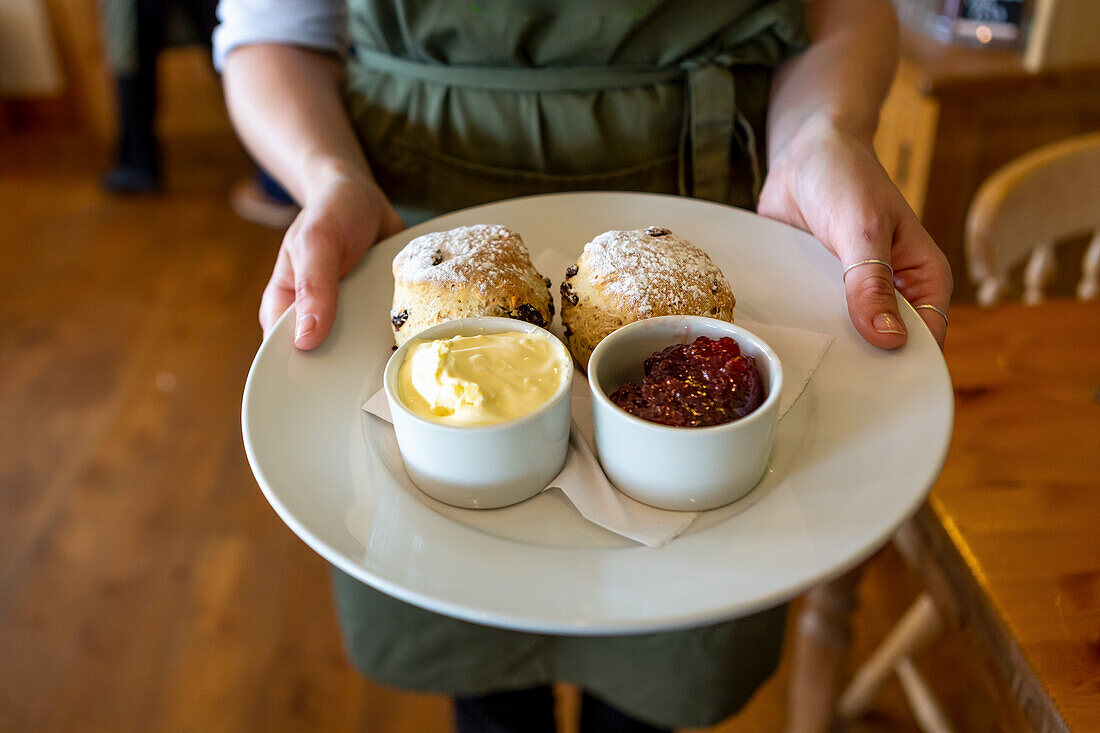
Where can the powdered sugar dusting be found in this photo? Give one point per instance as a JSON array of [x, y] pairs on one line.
[[484, 256], [654, 272]]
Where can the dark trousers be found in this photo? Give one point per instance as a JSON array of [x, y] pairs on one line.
[[137, 92], [532, 711]]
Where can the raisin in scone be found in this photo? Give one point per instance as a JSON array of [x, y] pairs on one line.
[[481, 270], [622, 277]]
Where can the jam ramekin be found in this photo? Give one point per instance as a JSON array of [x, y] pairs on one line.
[[484, 466], [686, 469]]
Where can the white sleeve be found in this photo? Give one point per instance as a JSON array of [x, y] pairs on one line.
[[317, 24]]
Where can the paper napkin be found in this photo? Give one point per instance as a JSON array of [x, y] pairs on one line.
[[582, 479]]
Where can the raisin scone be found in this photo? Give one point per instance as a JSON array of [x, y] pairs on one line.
[[626, 276], [481, 270]]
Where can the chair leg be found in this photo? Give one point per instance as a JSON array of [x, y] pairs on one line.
[[822, 646], [1038, 273], [1089, 287], [919, 625], [926, 708]]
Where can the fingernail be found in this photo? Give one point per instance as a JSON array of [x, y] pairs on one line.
[[886, 323], [306, 324]]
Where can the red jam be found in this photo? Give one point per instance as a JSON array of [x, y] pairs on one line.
[[695, 385]]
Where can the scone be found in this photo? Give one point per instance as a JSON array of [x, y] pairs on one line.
[[622, 277], [481, 270]]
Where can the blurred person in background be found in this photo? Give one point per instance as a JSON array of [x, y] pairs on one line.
[[135, 32], [374, 113]]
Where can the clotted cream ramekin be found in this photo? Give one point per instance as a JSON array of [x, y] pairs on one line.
[[687, 469], [482, 467]]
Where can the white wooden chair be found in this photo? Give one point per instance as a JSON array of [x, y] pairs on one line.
[[920, 625], [1029, 206]]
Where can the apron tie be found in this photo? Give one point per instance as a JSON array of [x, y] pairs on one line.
[[709, 97], [710, 123]]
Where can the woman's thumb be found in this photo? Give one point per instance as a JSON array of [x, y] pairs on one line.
[[873, 303]]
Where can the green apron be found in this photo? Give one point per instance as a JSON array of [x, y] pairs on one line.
[[461, 103]]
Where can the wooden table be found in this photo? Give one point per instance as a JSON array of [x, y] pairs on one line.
[[1008, 544]]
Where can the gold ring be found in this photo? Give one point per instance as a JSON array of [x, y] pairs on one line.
[[931, 307], [884, 263]]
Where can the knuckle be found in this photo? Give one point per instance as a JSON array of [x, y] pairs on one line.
[[874, 287], [944, 274], [295, 247], [306, 287], [311, 235], [875, 225], [947, 282], [290, 236], [266, 313], [938, 273], [317, 231]]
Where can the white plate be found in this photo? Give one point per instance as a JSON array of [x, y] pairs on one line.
[[853, 458]]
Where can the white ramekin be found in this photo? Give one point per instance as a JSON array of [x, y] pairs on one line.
[[482, 467], [687, 469]]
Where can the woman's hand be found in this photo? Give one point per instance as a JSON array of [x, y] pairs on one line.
[[330, 235], [287, 105], [828, 182]]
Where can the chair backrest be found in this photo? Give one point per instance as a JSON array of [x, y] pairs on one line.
[[1028, 206]]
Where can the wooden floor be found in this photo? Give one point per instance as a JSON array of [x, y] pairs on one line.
[[144, 582]]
